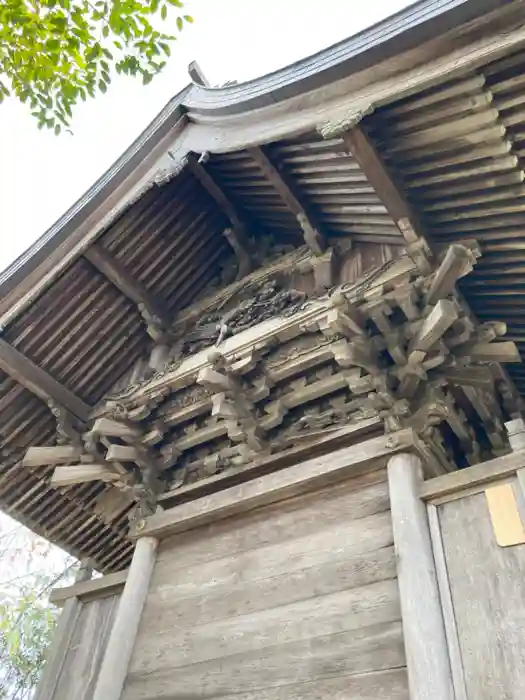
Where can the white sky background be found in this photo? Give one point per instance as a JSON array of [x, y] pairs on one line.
[[41, 175]]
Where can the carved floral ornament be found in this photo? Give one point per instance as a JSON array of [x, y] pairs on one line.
[[400, 347]]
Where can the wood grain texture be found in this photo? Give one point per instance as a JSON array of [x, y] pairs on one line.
[[58, 650], [487, 585], [295, 599], [122, 637], [296, 517], [94, 588], [378, 647], [428, 663], [86, 648], [302, 478], [369, 686], [449, 618], [480, 474]]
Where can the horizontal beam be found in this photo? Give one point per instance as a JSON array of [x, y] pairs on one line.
[[477, 475], [301, 478], [48, 456], [361, 147], [126, 283], [39, 382], [213, 189], [314, 236], [68, 475], [102, 587]]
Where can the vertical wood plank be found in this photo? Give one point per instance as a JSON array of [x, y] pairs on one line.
[[58, 650], [122, 639], [449, 618], [429, 672], [487, 584]]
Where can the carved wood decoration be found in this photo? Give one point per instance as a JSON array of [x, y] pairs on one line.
[[268, 367]]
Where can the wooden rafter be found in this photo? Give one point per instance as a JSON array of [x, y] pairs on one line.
[[237, 235], [314, 236], [153, 312], [360, 146], [39, 382]]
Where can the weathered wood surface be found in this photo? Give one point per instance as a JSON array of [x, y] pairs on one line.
[[87, 590], [271, 488], [480, 474], [121, 641], [487, 585], [87, 637], [297, 599], [428, 664]]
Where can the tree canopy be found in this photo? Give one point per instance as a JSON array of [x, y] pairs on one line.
[[54, 53]]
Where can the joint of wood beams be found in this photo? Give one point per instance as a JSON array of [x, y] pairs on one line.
[[155, 316], [359, 145], [314, 236], [238, 241], [237, 235], [231, 403]]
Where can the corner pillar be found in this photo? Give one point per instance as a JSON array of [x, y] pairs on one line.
[[428, 664], [121, 641]]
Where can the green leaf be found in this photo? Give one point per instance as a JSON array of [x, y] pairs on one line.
[[180, 24], [188, 19], [102, 86], [163, 12]]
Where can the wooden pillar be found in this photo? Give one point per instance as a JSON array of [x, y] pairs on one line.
[[429, 673], [122, 638]]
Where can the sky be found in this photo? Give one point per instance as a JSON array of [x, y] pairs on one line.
[[41, 175]]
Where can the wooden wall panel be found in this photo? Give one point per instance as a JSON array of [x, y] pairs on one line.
[[78, 670], [294, 600], [487, 584]]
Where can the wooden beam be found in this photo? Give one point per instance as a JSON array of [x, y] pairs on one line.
[[314, 236], [81, 474], [113, 428], [150, 308], [101, 587], [370, 455], [360, 146], [237, 235], [196, 166], [48, 456], [39, 382]]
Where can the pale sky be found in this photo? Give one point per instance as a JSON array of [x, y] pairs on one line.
[[42, 175]]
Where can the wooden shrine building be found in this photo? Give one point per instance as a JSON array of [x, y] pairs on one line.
[[265, 376]]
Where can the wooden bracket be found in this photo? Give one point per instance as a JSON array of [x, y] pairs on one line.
[[237, 235], [314, 236], [39, 382], [153, 313], [360, 146]]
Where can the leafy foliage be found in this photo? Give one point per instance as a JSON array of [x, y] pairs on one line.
[[27, 620], [54, 53]]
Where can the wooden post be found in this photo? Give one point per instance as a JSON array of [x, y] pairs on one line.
[[122, 638], [428, 664]]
